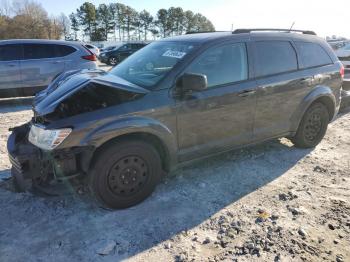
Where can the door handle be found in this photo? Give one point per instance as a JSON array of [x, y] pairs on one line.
[[11, 65], [246, 93]]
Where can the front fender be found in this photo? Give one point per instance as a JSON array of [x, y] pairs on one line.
[[131, 125], [312, 96]]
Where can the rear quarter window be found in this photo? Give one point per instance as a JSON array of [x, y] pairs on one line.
[[64, 50], [312, 55], [274, 57]]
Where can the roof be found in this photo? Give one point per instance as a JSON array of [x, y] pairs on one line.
[[39, 41], [204, 37]]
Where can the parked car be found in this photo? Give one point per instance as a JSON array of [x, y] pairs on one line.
[[28, 66], [343, 54], [94, 49], [174, 101], [115, 56]]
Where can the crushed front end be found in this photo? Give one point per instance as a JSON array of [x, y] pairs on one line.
[[31, 164]]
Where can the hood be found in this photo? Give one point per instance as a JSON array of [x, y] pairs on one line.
[[46, 101]]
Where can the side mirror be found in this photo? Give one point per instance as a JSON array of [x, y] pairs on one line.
[[191, 82]]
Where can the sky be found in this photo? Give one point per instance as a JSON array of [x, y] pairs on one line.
[[325, 17]]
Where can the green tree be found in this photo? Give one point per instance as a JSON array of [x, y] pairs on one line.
[[74, 25], [176, 20], [105, 21], [162, 22], [146, 21], [86, 14], [130, 16]]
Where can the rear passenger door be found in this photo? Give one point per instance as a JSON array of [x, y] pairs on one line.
[[40, 64], [10, 76], [280, 87]]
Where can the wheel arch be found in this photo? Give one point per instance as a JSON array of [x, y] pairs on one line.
[[321, 94], [152, 139], [135, 127]]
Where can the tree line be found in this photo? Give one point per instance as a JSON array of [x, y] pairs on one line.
[[28, 19], [115, 21], [121, 22]]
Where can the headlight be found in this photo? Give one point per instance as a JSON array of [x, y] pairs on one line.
[[47, 139]]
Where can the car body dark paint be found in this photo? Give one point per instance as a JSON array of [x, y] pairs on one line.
[[207, 122]]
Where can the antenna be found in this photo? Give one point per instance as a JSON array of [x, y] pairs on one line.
[[290, 29]]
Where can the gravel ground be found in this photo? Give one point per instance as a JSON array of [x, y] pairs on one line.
[[270, 202]]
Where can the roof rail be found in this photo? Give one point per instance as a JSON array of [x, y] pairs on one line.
[[241, 31], [199, 32]]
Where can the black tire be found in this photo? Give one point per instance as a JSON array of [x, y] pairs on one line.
[[113, 60], [125, 173], [312, 127]]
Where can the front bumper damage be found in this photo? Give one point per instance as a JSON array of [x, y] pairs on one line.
[[31, 164]]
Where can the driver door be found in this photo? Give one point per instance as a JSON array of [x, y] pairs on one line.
[[221, 116]]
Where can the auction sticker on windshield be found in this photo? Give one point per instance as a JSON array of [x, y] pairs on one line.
[[174, 54]]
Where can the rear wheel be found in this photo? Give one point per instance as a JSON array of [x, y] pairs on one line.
[[312, 127], [125, 173], [113, 60]]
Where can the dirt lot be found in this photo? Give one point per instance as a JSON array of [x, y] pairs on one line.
[[271, 202]]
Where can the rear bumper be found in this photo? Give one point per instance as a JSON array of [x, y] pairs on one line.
[[30, 162]]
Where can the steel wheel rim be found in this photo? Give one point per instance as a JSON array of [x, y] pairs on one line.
[[127, 176], [313, 126]]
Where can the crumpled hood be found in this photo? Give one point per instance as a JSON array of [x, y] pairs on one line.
[[68, 83]]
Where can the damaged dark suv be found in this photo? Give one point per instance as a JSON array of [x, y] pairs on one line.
[[174, 101]]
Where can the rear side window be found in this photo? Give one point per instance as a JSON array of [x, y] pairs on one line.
[[38, 51], [222, 65], [10, 52], [64, 50], [313, 55], [274, 57]]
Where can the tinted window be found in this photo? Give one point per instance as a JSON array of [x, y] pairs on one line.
[[64, 50], [122, 48], [38, 51], [222, 65], [312, 55], [273, 57], [89, 46], [10, 52]]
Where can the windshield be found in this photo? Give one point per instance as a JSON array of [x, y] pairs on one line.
[[149, 65]]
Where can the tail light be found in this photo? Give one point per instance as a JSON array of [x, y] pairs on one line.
[[342, 71], [90, 57]]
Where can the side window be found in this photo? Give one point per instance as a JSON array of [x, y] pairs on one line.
[[10, 52], [222, 65], [123, 48], [38, 51], [274, 57], [312, 55], [64, 50]]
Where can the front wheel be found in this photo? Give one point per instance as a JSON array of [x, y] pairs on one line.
[[125, 173], [313, 126]]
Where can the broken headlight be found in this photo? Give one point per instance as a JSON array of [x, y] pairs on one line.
[[47, 139]]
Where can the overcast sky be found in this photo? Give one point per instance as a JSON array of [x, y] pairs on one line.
[[323, 16]]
